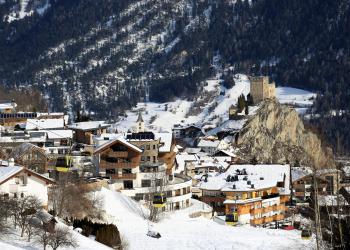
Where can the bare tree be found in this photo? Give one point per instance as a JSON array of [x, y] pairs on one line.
[[74, 200], [61, 237], [26, 207], [43, 237]]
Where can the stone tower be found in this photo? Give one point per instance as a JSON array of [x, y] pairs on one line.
[[261, 88], [140, 124]]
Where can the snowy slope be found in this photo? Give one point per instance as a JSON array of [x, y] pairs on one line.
[[26, 8], [211, 106], [179, 231]]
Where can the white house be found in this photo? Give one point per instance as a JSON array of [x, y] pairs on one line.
[[17, 181], [210, 146]]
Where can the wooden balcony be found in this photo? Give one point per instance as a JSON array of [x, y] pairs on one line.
[[268, 219], [268, 209], [278, 217], [299, 194], [256, 211], [118, 164], [284, 198], [258, 221], [280, 208], [123, 176], [119, 154]]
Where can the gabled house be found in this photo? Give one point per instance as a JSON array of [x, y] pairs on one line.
[[119, 160], [302, 182], [19, 181], [30, 156]]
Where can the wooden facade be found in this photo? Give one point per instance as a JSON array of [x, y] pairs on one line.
[[118, 159]]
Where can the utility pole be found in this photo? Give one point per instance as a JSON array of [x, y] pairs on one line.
[[316, 211]]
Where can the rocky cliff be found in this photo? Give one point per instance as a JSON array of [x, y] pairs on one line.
[[276, 134]]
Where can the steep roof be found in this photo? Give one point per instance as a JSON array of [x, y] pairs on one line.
[[113, 141], [139, 118], [19, 151], [7, 172]]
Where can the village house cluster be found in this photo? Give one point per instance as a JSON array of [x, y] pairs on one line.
[[40, 149]]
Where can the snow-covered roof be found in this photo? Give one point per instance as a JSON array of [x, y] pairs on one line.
[[208, 143], [227, 152], [119, 139], [6, 106], [166, 139], [18, 152], [42, 124], [261, 176], [90, 125], [181, 160], [192, 150], [298, 174], [8, 171], [59, 134], [230, 125]]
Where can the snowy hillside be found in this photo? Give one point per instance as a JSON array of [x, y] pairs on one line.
[[210, 108], [25, 8], [295, 96], [12, 241], [179, 231]]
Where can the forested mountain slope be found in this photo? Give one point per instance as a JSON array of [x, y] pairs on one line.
[[90, 55]]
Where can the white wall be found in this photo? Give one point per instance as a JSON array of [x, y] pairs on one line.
[[34, 186]]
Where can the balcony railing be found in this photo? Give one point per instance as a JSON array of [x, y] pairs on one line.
[[269, 196], [118, 164], [122, 176], [119, 154], [278, 217], [256, 211], [257, 221]]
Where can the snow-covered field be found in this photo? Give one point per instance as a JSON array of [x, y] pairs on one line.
[[210, 107], [179, 231], [295, 96]]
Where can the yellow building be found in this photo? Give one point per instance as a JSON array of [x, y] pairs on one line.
[[261, 88]]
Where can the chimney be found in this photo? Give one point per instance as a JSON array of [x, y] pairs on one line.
[[11, 162]]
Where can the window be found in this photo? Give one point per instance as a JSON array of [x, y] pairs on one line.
[[154, 147], [154, 159], [128, 185], [110, 171], [143, 158], [329, 187], [159, 182], [126, 170], [148, 158], [148, 147], [145, 183]]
